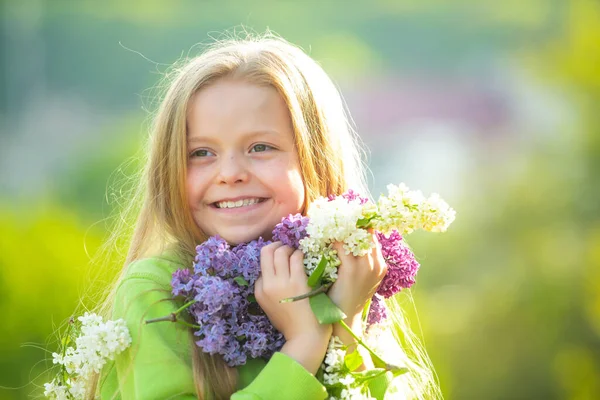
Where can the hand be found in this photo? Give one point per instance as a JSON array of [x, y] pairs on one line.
[[283, 276], [358, 280]]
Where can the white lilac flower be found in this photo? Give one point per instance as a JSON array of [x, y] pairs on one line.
[[347, 380], [359, 242], [333, 220], [406, 211], [436, 214], [77, 387], [336, 376], [313, 258], [53, 390], [330, 379], [334, 358], [96, 343], [399, 210], [354, 394], [57, 359]]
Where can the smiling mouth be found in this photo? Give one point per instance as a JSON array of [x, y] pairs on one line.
[[238, 203]]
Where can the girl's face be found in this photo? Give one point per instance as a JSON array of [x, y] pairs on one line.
[[243, 171]]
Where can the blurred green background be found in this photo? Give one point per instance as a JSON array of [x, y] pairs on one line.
[[495, 105]]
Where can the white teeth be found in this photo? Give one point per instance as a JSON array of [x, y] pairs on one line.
[[236, 204]]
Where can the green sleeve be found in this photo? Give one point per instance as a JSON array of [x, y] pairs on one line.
[[282, 378], [157, 365]]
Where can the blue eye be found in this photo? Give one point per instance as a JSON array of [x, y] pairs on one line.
[[201, 153], [259, 148]]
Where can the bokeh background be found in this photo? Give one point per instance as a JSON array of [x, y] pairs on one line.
[[495, 105]]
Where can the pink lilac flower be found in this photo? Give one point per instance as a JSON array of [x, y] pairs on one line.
[[350, 195], [402, 265]]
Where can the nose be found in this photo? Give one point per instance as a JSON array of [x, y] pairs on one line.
[[233, 169]]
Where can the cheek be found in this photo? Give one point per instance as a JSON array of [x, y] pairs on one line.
[[194, 188], [296, 190]]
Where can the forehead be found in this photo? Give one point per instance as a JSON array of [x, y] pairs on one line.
[[230, 106]]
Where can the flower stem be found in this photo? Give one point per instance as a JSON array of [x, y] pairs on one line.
[[312, 293], [388, 367], [188, 324], [173, 316], [67, 340]]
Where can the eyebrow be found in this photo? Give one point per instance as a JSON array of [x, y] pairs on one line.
[[247, 135]]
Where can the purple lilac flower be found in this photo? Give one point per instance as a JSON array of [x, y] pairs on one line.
[[402, 266], [350, 195], [213, 257], [248, 259], [214, 339], [235, 354], [291, 230], [377, 310], [182, 282], [231, 322], [215, 293]]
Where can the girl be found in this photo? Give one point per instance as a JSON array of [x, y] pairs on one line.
[[247, 133]]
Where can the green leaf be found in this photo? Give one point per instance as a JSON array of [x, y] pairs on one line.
[[368, 374], [315, 278], [325, 310], [365, 312], [240, 281], [363, 223], [320, 374], [399, 371], [353, 360], [378, 362], [251, 298], [66, 340]]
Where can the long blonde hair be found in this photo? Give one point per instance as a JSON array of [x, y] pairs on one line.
[[327, 147]]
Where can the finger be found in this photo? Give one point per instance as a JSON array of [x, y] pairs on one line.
[[258, 289], [341, 252], [282, 261], [297, 271], [346, 258], [267, 267], [379, 263]]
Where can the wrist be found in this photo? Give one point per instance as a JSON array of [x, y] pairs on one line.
[[313, 337], [308, 348], [351, 343], [356, 325]]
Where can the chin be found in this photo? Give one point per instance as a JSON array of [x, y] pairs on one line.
[[235, 238]]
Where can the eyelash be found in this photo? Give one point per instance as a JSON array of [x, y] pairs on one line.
[[267, 147], [194, 153]]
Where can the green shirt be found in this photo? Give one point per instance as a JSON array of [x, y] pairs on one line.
[[158, 363]]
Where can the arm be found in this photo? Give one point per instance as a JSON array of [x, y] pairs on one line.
[[282, 378], [358, 279], [290, 373], [157, 365]]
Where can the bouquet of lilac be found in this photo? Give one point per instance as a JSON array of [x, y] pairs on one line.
[[218, 293], [348, 219], [96, 342]]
